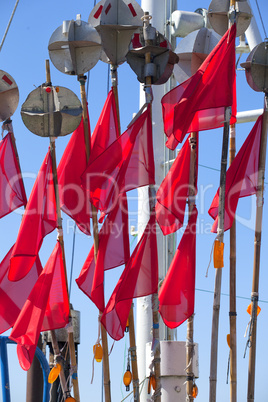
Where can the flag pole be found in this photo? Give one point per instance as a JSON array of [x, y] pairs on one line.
[[152, 197], [60, 239], [105, 359], [131, 325], [190, 321], [257, 251], [218, 272], [232, 286], [220, 237]]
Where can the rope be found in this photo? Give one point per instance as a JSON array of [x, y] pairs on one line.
[[210, 258], [8, 25], [72, 264], [261, 18]]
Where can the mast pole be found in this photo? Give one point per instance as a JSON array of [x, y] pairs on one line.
[[60, 239], [257, 251], [105, 360], [220, 237], [232, 286], [190, 321]]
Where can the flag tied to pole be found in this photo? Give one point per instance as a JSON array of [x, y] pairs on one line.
[[241, 177], [73, 198], [139, 278], [174, 191], [46, 308], [177, 293], [199, 103], [126, 164], [39, 219], [12, 194], [113, 251], [13, 295]]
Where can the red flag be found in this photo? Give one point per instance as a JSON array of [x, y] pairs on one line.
[[199, 102], [126, 164], [13, 295], [12, 192], [177, 293], [139, 278], [74, 201], [39, 219], [46, 308], [113, 252], [174, 191], [241, 177]]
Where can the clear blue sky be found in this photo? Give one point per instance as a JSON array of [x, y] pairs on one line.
[[23, 56]]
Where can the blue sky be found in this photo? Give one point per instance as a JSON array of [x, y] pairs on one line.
[[23, 56]]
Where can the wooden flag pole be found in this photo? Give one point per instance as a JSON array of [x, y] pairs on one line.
[[131, 326], [232, 287], [60, 239], [105, 359], [218, 272], [155, 302], [257, 250], [190, 321]]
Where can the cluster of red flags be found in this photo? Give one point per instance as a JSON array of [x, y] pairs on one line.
[[116, 165], [199, 102]]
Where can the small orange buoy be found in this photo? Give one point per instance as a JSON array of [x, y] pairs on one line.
[[249, 309], [98, 352], [194, 391], [70, 399], [218, 254], [127, 378], [229, 340], [151, 383], [54, 373]]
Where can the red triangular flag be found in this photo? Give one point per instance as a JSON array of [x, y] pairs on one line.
[[139, 278], [113, 252], [176, 295], [46, 308], [126, 164], [12, 192], [39, 219], [174, 191], [241, 177], [199, 103], [74, 201], [13, 295]]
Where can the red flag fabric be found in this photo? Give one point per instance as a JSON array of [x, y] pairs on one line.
[[241, 177], [126, 164], [13, 295], [139, 278], [12, 192], [174, 191], [177, 293], [39, 219], [199, 102], [113, 252], [46, 308], [74, 201]]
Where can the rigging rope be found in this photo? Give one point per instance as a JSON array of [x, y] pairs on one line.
[[261, 18], [8, 25], [72, 264]]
